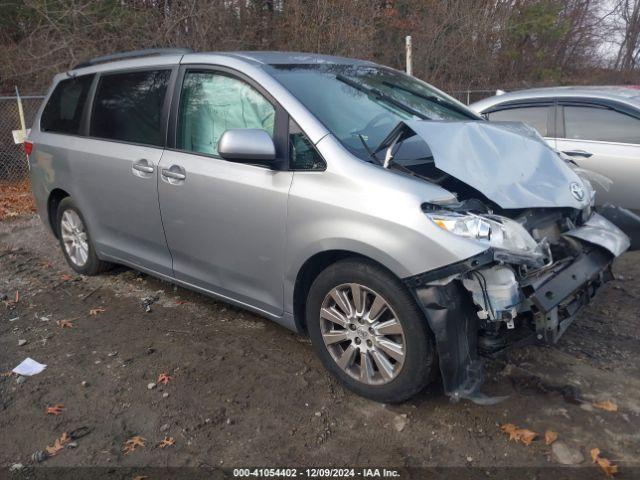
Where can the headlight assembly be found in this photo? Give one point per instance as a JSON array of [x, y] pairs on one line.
[[469, 226], [498, 232]]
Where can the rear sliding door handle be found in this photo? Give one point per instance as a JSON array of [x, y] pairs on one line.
[[173, 175]]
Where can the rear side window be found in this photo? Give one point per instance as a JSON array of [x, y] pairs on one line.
[[63, 111], [128, 107], [535, 117], [602, 124]]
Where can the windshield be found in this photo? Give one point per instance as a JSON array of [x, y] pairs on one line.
[[362, 104]]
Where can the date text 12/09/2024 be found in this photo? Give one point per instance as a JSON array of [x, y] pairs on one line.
[[316, 473]]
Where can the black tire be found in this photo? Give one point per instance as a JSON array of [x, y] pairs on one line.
[[420, 362], [93, 265]]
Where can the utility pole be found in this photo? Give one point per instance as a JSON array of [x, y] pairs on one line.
[[409, 55]]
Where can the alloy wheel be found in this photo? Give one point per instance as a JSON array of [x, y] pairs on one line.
[[74, 237], [362, 333]]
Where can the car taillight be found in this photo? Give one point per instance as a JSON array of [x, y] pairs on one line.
[[28, 147]]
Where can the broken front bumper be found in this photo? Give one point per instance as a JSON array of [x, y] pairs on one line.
[[553, 296], [557, 296]]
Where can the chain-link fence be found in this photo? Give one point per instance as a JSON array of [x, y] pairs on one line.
[[13, 160]]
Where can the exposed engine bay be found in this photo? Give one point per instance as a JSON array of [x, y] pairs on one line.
[[547, 251]]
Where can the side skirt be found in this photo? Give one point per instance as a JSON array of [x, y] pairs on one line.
[[286, 320]]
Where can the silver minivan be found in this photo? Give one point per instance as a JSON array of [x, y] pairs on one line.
[[342, 199]]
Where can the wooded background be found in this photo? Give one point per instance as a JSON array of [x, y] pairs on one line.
[[458, 44]]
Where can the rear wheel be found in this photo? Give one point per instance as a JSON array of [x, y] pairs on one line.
[[75, 240], [368, 331]]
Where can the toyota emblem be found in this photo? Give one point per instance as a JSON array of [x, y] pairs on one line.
[[577, 191]]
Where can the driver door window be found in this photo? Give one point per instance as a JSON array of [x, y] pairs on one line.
[[211, 103]]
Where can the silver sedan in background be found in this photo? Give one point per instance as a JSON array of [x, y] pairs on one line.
[[597, 127]]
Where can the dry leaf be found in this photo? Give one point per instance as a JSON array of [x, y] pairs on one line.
[[66, 278], [511, 429], [11, 304], [595, 453], [133, 443], [526, 436], [55, 410], [15, 199], [97, 311], [167, 442], [164, 378], [58, 445], [55, 449], [7, 374], [140, 477], [521, 435], [65, 323], [607, 405], [180, 302], [550, 436], [605, 464]]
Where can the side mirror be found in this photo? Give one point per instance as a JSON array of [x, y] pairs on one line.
[[248, 145]]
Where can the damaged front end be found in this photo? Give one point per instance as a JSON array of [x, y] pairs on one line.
[[504, 297], [547, 252]]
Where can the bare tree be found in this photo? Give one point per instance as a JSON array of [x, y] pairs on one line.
[[458, 44], [628, 13]]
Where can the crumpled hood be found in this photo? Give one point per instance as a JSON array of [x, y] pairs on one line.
[[508, 162]]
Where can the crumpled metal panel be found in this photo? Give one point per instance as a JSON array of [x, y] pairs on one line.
[[508, 162], [625, 220], [454, 323], [600, 231]]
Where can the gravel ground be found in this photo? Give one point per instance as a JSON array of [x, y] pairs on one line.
[[246, 392]]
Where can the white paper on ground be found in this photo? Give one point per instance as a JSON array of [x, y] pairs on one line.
[[29, 367]]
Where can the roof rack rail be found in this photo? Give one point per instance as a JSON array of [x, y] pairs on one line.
[[134, 54]]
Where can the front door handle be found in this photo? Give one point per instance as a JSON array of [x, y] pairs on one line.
[[578, 153], [174, 175], [142, 166]]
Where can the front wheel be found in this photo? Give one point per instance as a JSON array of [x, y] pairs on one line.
[[368, 331]]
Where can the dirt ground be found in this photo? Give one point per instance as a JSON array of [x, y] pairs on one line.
[[246, 392]]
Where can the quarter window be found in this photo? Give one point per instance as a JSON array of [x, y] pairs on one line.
[[211, 103], [302, 153], [602, 124], [63, 111], [128, 107], [535, 117]]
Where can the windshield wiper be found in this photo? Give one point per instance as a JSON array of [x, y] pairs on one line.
[[432, 99], [374, 92], [368, 149]]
